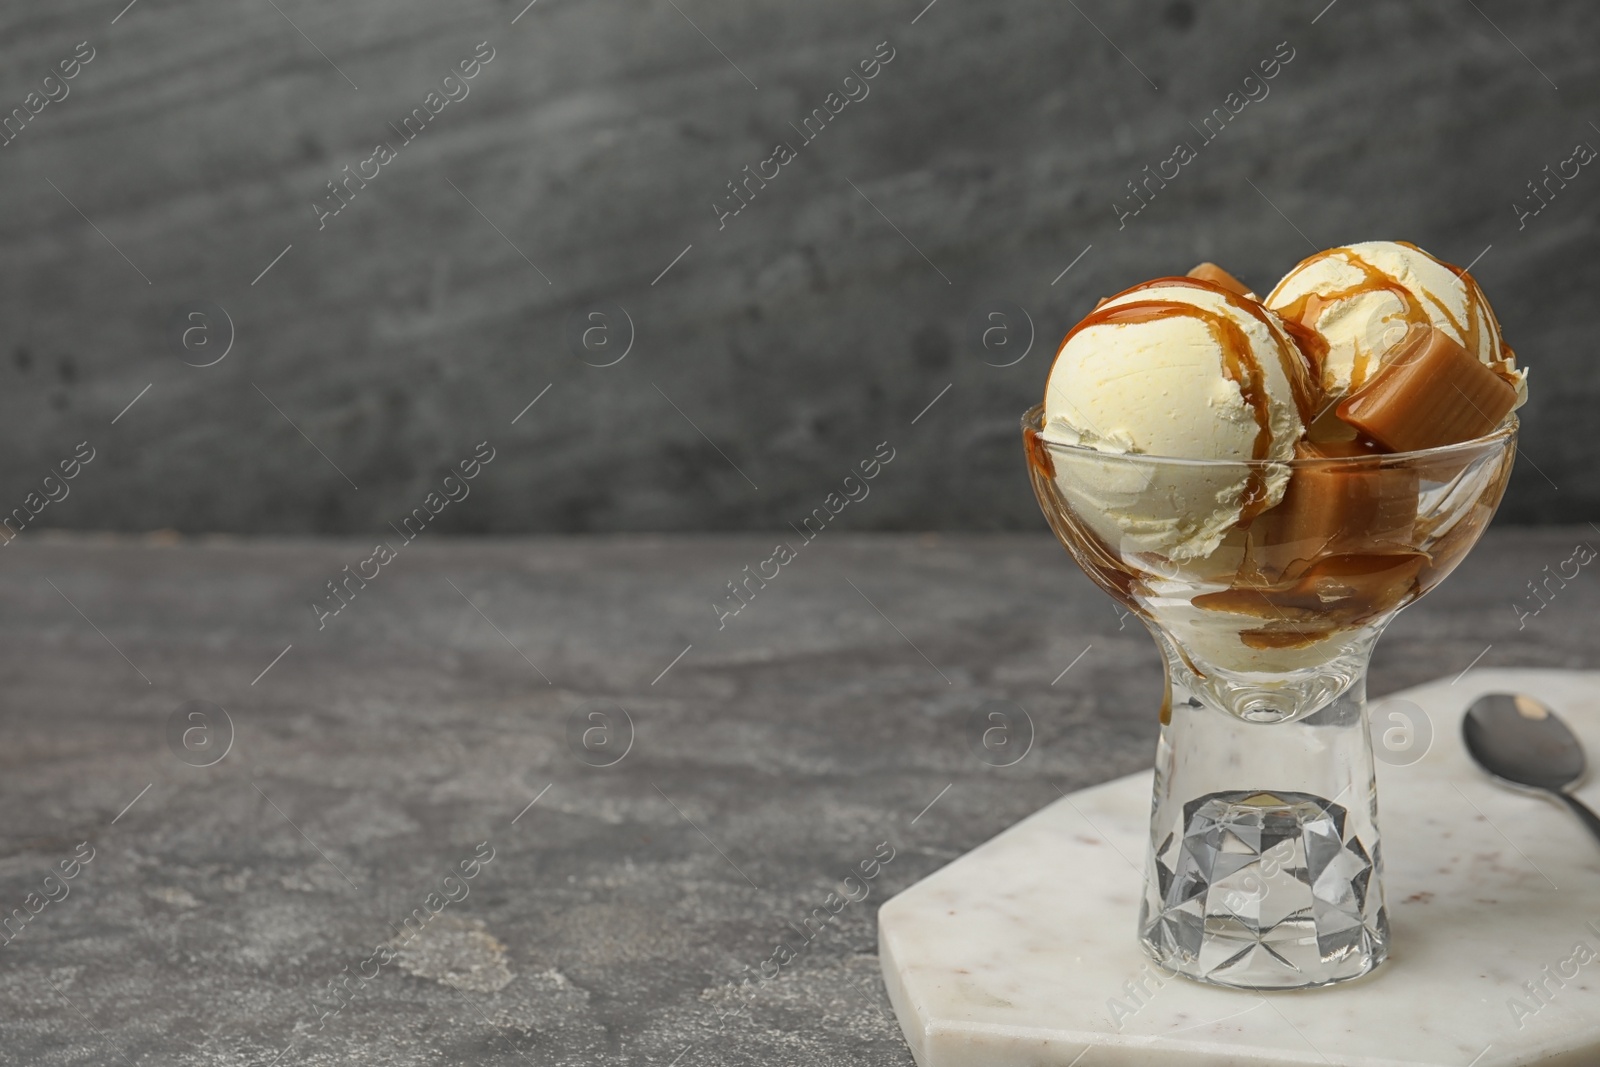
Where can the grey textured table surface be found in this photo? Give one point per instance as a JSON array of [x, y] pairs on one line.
[[620, 913]]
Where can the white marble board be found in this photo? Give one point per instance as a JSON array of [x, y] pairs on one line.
[[1022, 953]]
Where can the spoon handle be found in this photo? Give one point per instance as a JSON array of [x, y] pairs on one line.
[[1583, 812]]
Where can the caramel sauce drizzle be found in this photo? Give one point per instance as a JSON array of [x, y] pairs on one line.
[[1305, 310], [1333, 591], [1471, 330], [1505, 360], [1038, 454], [1314, 347], [1300, 353]]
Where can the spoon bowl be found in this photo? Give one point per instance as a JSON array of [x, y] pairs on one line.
[[1521, 741], [1515, 737]]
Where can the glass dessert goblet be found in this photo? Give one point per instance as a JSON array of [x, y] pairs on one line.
[[1264, 869]]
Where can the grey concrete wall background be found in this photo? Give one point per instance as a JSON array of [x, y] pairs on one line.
[[771, 351]]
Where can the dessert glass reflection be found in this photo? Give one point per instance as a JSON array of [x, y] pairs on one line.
[[1265, 868]]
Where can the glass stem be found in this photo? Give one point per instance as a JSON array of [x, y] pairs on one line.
[[1264, 869]]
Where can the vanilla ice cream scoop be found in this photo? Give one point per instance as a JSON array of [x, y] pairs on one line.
[[1185, 369], [1360, 300]]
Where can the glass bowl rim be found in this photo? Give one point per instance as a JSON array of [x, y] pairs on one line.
[[1501, 435]]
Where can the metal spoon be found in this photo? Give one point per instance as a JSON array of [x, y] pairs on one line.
[[1516, 738]]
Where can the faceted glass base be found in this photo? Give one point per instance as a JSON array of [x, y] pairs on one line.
[[1265, 890], [1264, 869]]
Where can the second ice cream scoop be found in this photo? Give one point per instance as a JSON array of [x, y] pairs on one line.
[[1361, 300]]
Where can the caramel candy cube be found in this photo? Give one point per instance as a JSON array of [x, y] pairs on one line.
[[1210, 272], [1342, 507], [1429, 392]]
